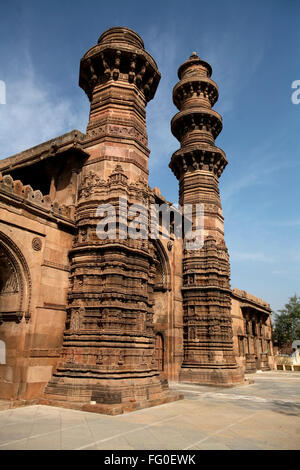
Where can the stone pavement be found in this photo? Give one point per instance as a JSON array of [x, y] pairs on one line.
[[265, 415]]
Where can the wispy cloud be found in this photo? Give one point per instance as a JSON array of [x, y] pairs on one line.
[[35, 112], [256, 257], [164, 47], [279, 271], [288, 223], [295, 256], [262, 161], [230, 62]]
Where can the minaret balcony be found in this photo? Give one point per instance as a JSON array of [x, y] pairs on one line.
[[114, 58], [206, 158], [196, 119], [190, 90]]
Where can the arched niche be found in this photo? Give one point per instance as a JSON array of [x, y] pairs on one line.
[[162, 279], [240, 332], [15, 283]]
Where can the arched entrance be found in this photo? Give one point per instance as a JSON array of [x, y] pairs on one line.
[[159, 351], [15, 284]]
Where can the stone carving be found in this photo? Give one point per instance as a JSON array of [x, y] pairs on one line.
[[206, 271], [121, 357], [37, 244], [90, 183], [9, 281], [15, 281], [75, 321], [121, 131], [98, 68], [113, 278], [121, 291], [118, 176]]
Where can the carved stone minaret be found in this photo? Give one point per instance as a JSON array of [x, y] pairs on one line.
[[208, 344], [108, 350], [119, 78]]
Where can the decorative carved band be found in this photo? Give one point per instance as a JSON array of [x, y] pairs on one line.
[[105, 62], [196, 119], [118, 131], [195, 87], [190, 161], [112, 158]]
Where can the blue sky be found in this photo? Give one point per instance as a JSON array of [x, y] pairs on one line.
[[254, 49]]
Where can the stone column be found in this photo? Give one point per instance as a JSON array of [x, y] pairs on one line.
[[119, 77], [108, 350], [198, 164]]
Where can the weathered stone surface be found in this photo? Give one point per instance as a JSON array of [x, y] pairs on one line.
[[207, 324], [111, 321], [108, 350]]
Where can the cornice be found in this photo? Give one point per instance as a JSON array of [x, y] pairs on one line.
[[119, 54]]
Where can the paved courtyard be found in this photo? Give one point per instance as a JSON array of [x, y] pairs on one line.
[[264, 415]]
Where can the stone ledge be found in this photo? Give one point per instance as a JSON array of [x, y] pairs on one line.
[[26, 195], [114, 409], [250, 298], [72, 139]]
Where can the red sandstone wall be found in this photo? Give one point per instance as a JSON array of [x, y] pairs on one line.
[[32, 345]]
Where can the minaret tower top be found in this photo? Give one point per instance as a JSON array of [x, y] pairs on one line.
[[121, 34], [194, 65], [119, 54], [196, 125], [120, 78]]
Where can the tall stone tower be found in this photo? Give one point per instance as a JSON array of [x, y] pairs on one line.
[[108, 349], [198, 164]]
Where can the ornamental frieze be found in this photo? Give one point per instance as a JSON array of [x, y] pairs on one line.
[[119, 131]]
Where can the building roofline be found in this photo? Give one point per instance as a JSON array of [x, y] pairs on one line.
[[250, 300], [71, 140]]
